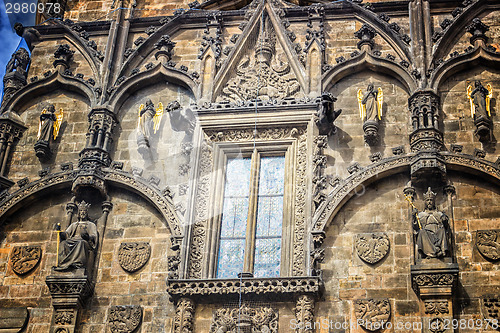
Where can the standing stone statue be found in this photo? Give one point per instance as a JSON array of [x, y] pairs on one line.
[[370, 109], [326, 115], [479, 98], [431, 228], [149, 123], [48, 130], [78, 242], [18, 62]]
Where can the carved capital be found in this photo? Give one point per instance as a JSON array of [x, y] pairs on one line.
[[434, 279], [477, 29], [366, 35], [63, 57], [165, 48]]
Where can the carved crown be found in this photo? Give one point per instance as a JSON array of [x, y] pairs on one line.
[[429, 194]]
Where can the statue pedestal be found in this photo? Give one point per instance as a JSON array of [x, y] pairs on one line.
[[42, 150], [370, 127], [434, 281], [69, 291], [483, 128]]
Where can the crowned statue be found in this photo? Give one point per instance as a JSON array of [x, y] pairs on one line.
[[431, 228], [78, 243]]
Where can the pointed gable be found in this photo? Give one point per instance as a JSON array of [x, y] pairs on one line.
[[262, 65]]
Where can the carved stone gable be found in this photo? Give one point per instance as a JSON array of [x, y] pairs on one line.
[[371, 314], [25, 258], [261, 67], [124, 319], [245, 319], [372, 247], [132, 256], [488, 243]]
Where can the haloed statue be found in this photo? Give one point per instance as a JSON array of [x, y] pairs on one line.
[[78, 243], [48, 130], [431, 228], [370, 110]]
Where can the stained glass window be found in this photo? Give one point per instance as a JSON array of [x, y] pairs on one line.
[[268, 217]]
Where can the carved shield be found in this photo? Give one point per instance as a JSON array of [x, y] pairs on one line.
[[124, 319], [371, 314], [491, 307], [132, 256], [372, 247], [488, 243], [25, 258]]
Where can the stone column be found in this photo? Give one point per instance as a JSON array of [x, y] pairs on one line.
[[184, 316]]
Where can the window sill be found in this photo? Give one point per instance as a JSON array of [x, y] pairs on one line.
[[222, 290]]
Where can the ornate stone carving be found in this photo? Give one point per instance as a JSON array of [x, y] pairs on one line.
[[165, 48], [64, 317], [371, 314], [251, 319], [264, 75], [437, 325], [174, 260], [434, 280], [488, 243], [319, 160], [212, 37], [15, 73], [491, 307], [63, 57], [372, 247], [304, 314], [133, 256], [218, 289], [25, 258], [124, 319], [149, 123], [316, 31], [11, 130], [326, 115], [184, 316], [365, 35], [477, 29], [436, 307]]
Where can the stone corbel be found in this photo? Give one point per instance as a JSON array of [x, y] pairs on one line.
[[184, 316]]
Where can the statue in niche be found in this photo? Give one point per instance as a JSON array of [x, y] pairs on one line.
[[479, 98], [78, 242], [48, 130], [326, 115], [370, 109], [19, 62], [149, 123], [431, 228]]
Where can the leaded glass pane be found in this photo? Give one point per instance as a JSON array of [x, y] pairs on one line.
[[269, 217], [267, 257], [230, 258], [234, 218]]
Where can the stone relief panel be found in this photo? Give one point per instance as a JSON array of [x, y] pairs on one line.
[[25, 258], [371, 314], [124, 319], [372, 248], [133, 256], [490, 307], [245, 319], [436, 307], [488, 243]]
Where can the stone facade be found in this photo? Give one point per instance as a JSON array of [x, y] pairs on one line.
[[393, 230]]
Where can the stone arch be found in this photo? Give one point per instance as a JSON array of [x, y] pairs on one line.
[[366, 61], [391, 166], [54, 82], [63, 181]]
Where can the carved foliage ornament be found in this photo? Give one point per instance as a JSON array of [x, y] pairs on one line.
[[436, 307], [371, 314], [488, 243], [184, 316], [25, 258], [63, 317], [133, 256], [124, 319], [245, 319], [372, 248]]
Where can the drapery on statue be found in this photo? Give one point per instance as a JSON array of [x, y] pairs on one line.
[[149, 123], [48, 130], [479, 98], [431, 228], [78, 242], [370, 111], [19, 62]]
